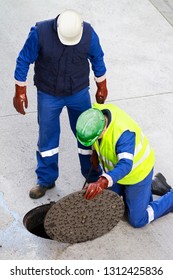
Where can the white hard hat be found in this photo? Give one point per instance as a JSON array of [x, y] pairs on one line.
[[70, 27]]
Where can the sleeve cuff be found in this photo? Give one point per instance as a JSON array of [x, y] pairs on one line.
[[19, 83], [100, 79], [109, 178]]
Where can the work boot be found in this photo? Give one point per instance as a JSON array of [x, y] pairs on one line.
[[159, 185], [40, 190]]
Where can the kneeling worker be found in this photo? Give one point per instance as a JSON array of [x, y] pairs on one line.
[[127, 161]]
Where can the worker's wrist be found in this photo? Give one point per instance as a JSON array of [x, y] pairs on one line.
[[20, 83], [109, 178], [100, 79]]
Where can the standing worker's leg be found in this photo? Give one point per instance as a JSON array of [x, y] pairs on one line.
[[77, 104], [49, 109]]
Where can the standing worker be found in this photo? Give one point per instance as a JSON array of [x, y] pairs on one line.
[[61, 50], [127, 161]]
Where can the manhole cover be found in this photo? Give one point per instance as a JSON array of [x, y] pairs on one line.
[[74, 219]]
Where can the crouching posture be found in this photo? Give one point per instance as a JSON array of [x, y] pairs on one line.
[[127, 161]]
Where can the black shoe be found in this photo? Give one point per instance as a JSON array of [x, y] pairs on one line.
[[40, 190], [159, 185]]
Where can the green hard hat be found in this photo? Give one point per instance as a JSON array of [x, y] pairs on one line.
[[90, 125]]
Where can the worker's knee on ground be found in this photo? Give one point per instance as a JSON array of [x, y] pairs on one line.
[[136, 222]]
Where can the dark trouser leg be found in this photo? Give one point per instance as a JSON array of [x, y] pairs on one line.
[[136, 198], [77, 104], [49, 109]]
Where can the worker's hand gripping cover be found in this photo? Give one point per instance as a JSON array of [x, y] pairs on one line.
[[95, 188]]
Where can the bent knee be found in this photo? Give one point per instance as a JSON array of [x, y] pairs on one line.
[[137, 224]]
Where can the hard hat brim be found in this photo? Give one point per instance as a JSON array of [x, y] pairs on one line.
[[88, 142], [70, 41]]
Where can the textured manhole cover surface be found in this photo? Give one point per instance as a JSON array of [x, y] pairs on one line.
[[74, 219]]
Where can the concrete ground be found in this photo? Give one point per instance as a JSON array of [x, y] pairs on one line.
[[137, 38]]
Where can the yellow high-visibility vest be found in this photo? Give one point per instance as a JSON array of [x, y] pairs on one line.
[[143, 160]]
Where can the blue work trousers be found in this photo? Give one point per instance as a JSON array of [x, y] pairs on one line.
[[141, 207], [49, 110]]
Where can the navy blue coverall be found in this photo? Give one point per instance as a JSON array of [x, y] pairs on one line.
[[61, 75]]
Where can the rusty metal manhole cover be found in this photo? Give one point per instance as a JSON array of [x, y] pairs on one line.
[[74, 219]]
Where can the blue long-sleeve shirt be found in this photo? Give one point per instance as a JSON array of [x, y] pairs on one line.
[[124, 149], [30, 51]]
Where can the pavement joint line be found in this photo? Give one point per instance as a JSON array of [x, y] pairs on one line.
[[161, 12], [142, 96], [120, 99], [17, 114]]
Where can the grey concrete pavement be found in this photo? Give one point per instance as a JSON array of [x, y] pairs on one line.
[[137, 39], [165, 7]]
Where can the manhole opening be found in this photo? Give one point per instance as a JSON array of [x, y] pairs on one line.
[[34, 220]]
